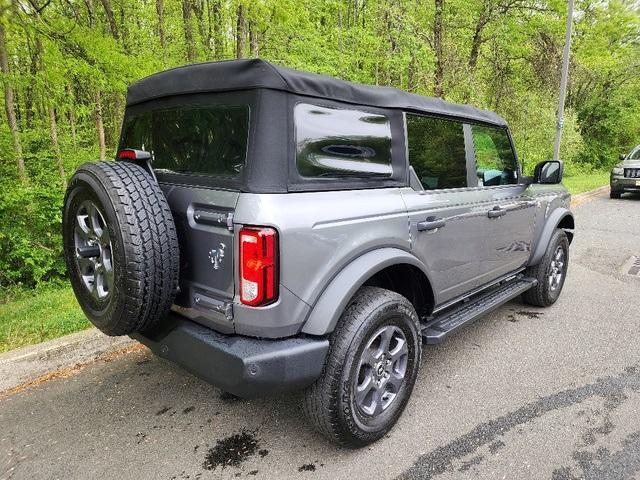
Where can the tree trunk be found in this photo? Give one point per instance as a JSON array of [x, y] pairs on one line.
[[110, 18], [124, 28], [100, 126], [218, 47], [9, 105], [241, 33], [477, 40], [53, 129], [34, 67], [90, 12], [437, 45], [72, 114], [161, 34], [253, 40], [201, 12], [188, 30]]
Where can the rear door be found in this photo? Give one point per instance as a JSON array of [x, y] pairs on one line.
[[444, 223], [509, 211], [198, 156]]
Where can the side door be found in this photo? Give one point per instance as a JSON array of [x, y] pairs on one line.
[[443, 224], [509, 210]]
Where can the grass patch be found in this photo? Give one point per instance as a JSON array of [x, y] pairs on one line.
[[586, 181], [33, 316]]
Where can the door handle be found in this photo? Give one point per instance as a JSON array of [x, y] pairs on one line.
[[496, 212], [431, 223]]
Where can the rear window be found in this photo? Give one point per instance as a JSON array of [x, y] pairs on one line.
[[192, 139], [336, 142]]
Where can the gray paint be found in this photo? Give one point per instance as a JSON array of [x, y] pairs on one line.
[[334, 299], [332, 241], [549, 226]]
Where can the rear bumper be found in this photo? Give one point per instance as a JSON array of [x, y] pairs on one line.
[[247, 367]]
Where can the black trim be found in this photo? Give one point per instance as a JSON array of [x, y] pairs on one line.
[[255, 74], [247, 367], [470, 152]]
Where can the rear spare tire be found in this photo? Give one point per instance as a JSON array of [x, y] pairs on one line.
[[120, 246]]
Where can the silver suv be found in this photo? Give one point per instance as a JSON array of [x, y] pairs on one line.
[[274, 230], [625, 176]]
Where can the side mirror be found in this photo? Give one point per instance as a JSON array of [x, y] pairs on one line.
[[622, 156], [549, 172]]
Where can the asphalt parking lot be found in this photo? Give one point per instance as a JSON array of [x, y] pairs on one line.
[[523, 393]]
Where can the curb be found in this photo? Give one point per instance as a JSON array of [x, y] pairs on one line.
[[584, 197], [25, 366]]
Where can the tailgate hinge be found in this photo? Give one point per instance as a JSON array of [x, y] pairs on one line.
[[228, 311]]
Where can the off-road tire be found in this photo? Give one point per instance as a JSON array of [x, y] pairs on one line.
[[144, 246], [615, 194], [541, 295], [329, 403]]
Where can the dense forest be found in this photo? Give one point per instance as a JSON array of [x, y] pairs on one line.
[[66, 65]]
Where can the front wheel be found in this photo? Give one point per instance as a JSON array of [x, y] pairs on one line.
[[550, 272], [370, 369]]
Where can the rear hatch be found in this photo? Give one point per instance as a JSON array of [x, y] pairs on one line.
[[198, 156]]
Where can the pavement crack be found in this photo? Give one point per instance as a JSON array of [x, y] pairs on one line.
[[441, 459]]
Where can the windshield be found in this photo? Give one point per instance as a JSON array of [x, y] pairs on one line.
[[192, 139], [635, 154]]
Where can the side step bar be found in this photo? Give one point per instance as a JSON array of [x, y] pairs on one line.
[[437, 328]]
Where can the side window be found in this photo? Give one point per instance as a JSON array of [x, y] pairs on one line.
[[495, 160], [335, 142], [436, 152]]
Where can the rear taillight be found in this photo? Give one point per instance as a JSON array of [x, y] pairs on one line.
[[132, 154], [258, 266]]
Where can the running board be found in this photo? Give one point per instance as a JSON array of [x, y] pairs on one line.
[[437, 328]]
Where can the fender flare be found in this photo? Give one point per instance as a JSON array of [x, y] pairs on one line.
[[551, 223], [334, 299]]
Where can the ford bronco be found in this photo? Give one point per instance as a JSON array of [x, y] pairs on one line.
[[271, 230]]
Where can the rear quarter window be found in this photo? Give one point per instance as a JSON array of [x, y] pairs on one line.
[[339, 142]]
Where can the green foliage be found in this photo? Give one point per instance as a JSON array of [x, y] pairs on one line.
[[500, 55], [30, 316]]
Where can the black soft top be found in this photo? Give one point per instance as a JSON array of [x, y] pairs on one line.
[[255, 73]]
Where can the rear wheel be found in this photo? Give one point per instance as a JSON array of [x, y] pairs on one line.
[[550, 272], [120, 246], [370, 369]]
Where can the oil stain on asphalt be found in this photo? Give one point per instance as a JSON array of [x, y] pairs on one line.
[[231, 451], [611, 388]]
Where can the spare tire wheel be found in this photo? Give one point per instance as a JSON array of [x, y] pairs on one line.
[[120, 246]]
